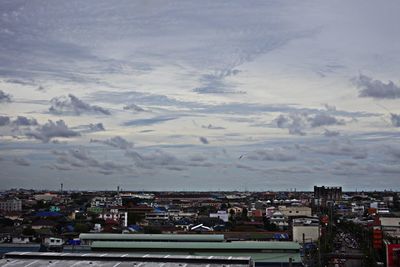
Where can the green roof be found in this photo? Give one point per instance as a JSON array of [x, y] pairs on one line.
[[152, 237], [237, 245], [271, 252]]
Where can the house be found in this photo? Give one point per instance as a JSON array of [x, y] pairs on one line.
[[221, 214], [295, 211], [279, 219]]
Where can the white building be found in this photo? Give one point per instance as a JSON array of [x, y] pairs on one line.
[[221, 214], [11, 205], [279, 219], [381, 207], [305, 230], [391, 226], [295, 211]]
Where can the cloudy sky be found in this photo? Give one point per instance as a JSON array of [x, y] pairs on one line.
[[199, 95]]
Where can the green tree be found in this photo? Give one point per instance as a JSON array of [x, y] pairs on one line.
[[81, 228]]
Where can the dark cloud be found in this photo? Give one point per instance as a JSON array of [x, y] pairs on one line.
[[329, 133], [4, 120], [203, 140], [150, 121], [376, 88], [155, 159], [323, 120], [90, 128], [51, 130], [342, 148], [81, 158], [22, 162], [212, 127], [395, 119], [116, 141], [75, 106], [21, 82], [4, 97], [198, 157], [24, 121], [134, 108], [393, 152], [216, 84], [296, 123]]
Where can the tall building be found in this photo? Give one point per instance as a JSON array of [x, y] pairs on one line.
[[14, 204], [324, 194]]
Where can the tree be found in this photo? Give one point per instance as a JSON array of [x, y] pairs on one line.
[[81, 228], [244, 214], [134, 218], [28, 231]]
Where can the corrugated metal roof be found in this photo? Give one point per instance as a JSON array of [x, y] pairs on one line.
[[107, 259], [238, 245], [155, 237]]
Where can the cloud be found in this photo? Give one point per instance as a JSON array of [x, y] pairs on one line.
[[203, 140], [117, 142], [198, 158], [90, 128], [150, 121], [22, 162], [338, 148], [51, 130], [154, 159], [323, 120], [81, 158], [329, 133], [21, 82], [212, 127], [376, 88], [276, 154], [395, 119], [134, 108], [4, 97], [24, 121], [216, 84], [393, 151], [4, 120], [296, 123], [75, 106]]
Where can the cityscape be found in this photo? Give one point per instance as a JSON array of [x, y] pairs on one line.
[[323, 227], [199, 133]]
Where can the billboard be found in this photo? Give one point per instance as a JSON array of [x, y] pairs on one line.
[[393, 255]]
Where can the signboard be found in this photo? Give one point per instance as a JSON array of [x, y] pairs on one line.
[[377, 238], [54, 209], [393, 255]]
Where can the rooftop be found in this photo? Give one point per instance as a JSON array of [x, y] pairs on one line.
[[33, 259], [153, 237]]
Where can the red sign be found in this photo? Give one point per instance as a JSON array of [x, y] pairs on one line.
[[393, 255], [325, 219], [377, 238]]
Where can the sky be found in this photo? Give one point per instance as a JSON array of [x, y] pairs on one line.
[[199, 95]]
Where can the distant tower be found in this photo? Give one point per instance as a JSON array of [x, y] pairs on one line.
[[118, 190], [61, 189]]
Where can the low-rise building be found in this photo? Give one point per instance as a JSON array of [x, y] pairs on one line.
[[295, 211], [221, 214], [391, 226], [305, 230]]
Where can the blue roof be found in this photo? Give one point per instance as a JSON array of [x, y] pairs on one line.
[[47, 214]]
